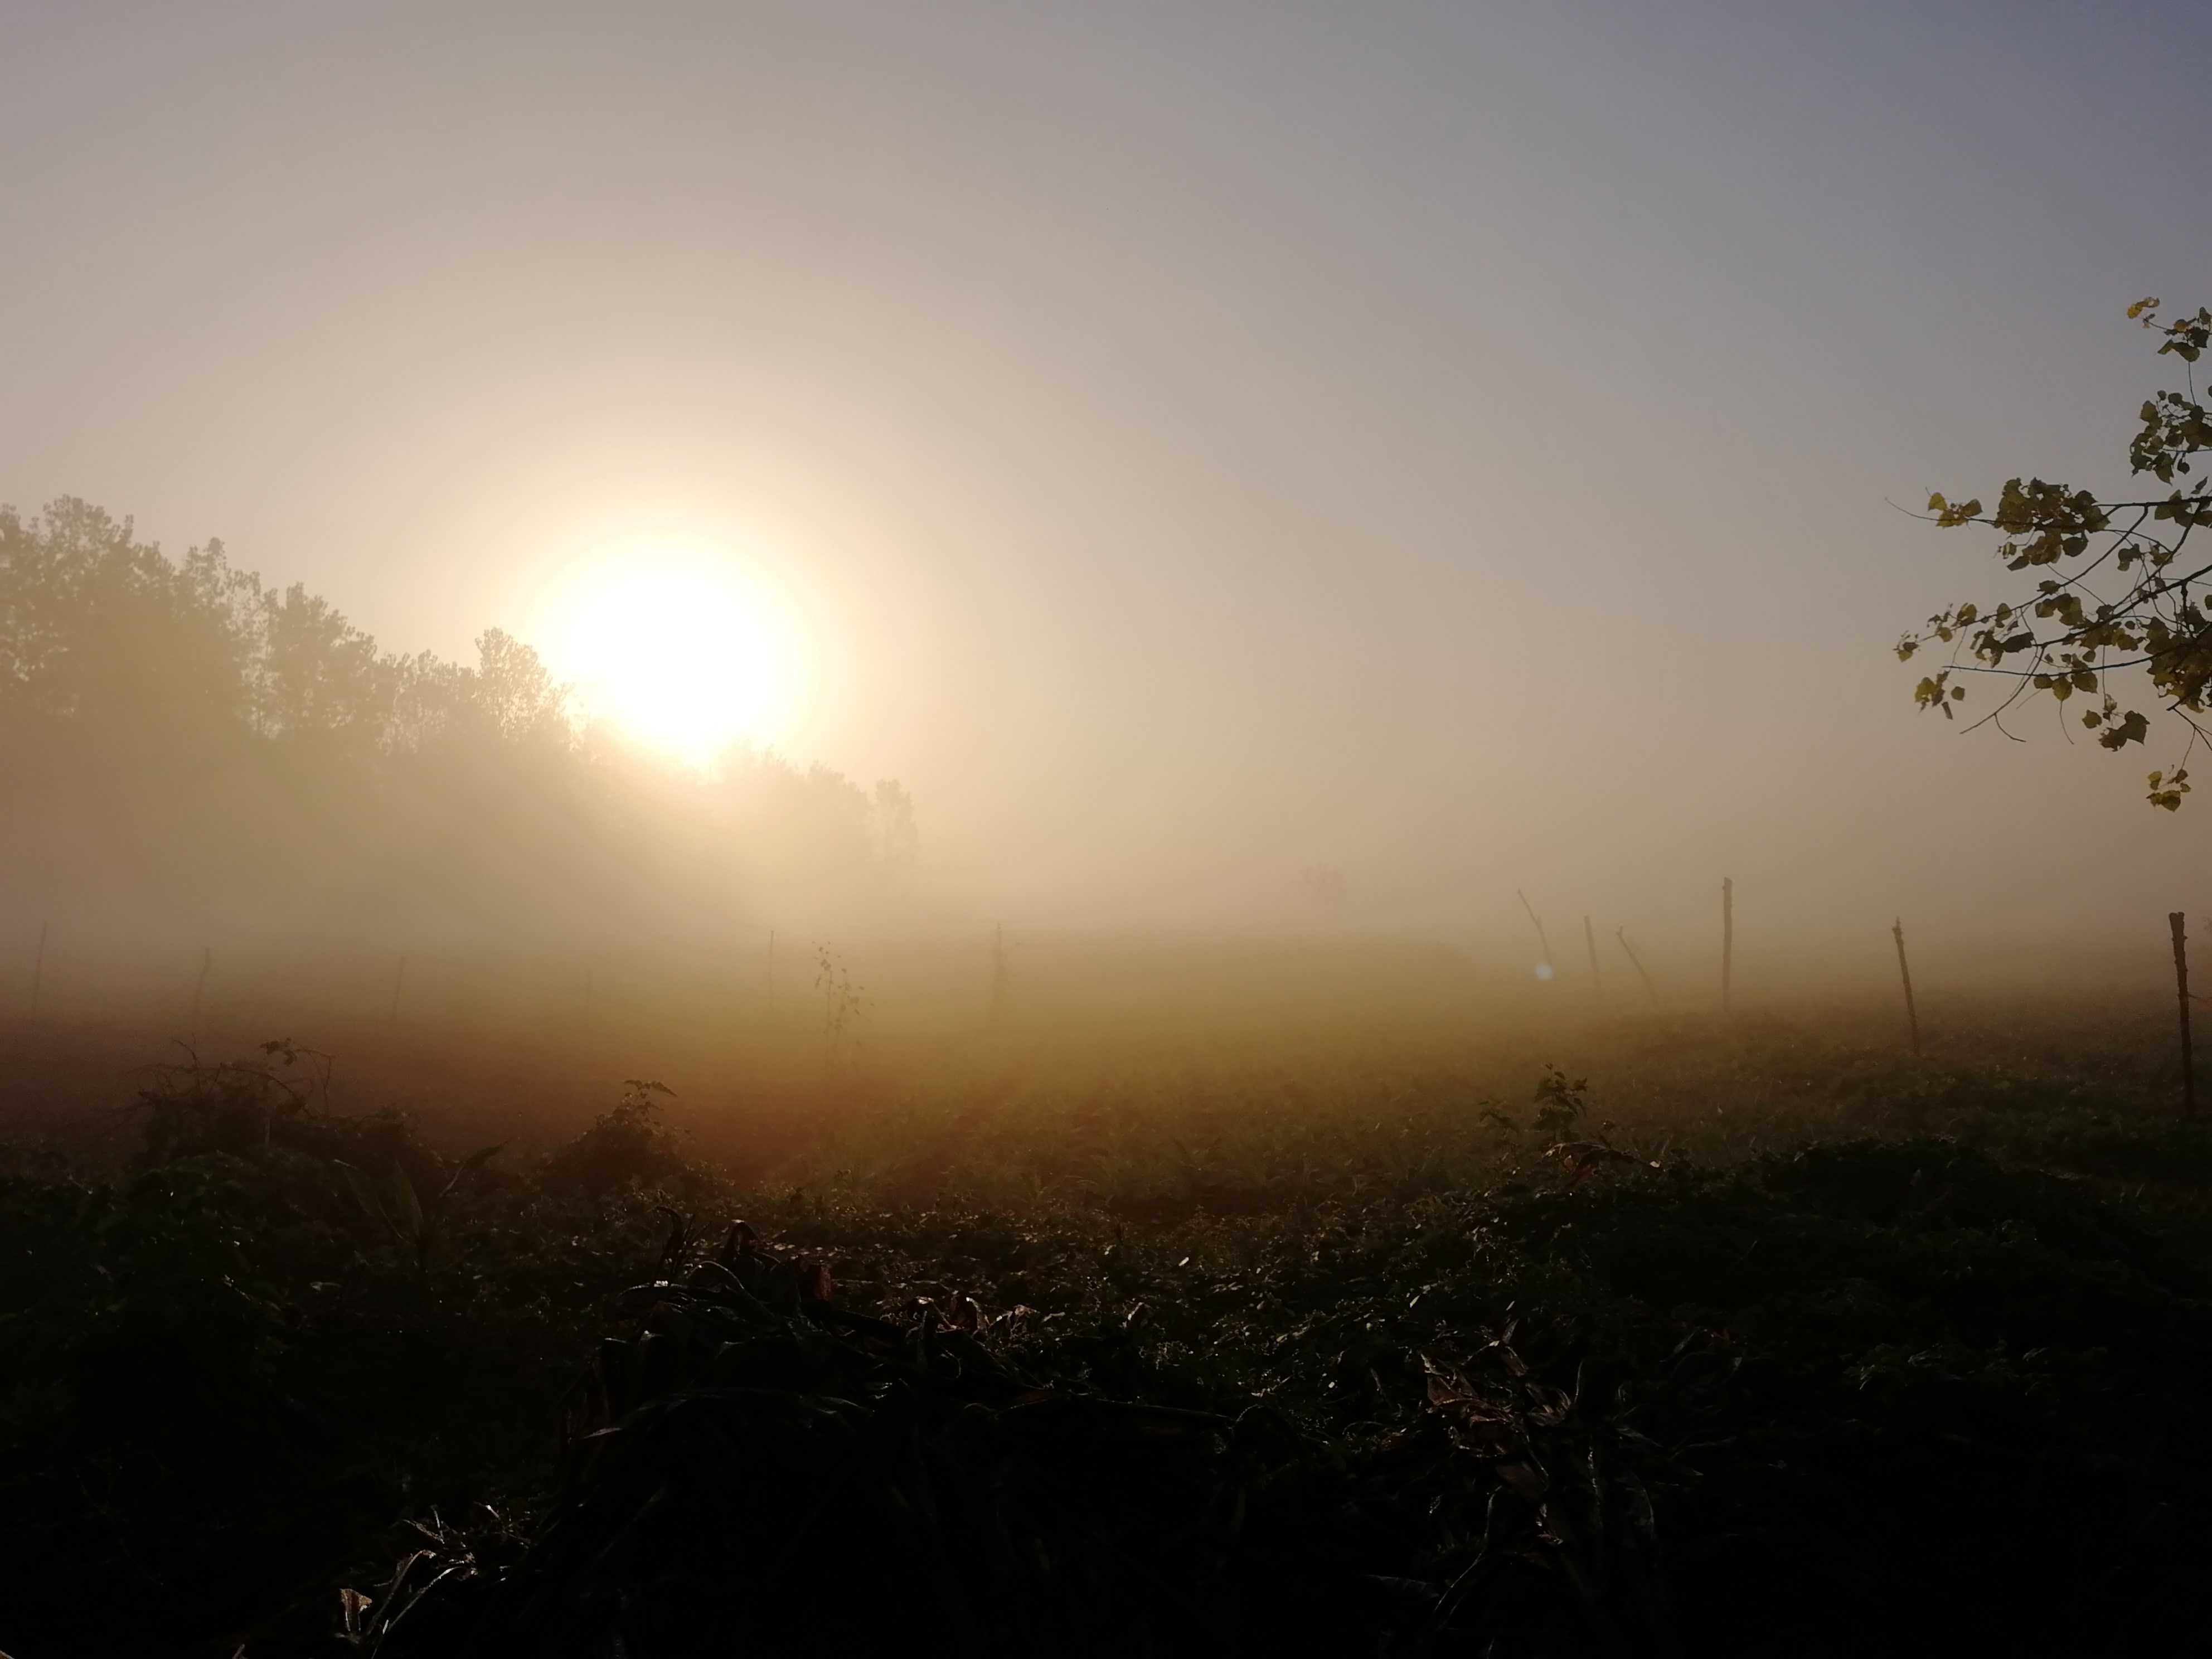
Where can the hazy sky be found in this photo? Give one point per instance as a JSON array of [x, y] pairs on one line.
[[1452, 442]]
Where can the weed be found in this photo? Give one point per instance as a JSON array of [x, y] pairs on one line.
[[1559, 1104], [842, 1007]]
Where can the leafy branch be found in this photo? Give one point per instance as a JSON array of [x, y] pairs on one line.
[[2119, 590]]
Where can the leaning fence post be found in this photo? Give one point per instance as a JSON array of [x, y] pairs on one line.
[[2178, 921], [1649, 989], [1905, 973], [199, 987], [1542, 939]]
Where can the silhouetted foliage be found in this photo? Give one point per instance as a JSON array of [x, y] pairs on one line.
[[2149, 610], [628, 1146]]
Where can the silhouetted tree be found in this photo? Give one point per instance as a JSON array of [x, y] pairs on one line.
[[97, 627]]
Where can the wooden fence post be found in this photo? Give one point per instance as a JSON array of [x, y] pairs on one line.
[[1728, 945], [1911, 1014], [2178, 921]]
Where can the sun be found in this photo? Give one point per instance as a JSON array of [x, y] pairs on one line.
[[684, 648]]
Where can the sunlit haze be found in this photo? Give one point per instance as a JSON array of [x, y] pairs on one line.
[[679, 647], [1460, 447], [1277, 726]]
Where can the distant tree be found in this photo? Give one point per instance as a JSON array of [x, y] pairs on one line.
[[171, 731], [895, 830], [514, 690], [1325, 883], [2116, 589], [98, 626], [320, 678]]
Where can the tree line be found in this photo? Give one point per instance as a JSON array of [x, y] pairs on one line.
[[179, 740]]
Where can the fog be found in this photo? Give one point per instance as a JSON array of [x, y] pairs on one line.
[[1240, 508]]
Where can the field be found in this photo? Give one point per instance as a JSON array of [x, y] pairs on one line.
[[1173, 1336]]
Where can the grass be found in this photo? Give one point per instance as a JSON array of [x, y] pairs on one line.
[[1216, 1352]]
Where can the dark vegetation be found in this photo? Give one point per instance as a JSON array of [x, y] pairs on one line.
[[1127, 1373]]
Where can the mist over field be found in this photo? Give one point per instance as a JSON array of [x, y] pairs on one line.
[[1043, 829], [234, 815], [1274, 473]]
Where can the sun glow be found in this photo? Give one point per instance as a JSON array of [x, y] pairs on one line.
[[684, 650]]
